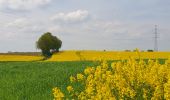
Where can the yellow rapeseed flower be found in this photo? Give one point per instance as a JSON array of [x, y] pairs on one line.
[[58, 95], [72, 79], [69, 89], [80, 77]]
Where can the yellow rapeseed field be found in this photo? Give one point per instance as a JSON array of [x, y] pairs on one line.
[[19, 58], [88, 56], [107, 55], [129, 79]]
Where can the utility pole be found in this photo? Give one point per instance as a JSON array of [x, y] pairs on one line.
[[156, 39]]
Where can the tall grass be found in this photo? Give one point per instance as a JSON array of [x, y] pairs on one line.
[[34, 80]]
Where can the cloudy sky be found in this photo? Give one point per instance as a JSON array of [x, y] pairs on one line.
[[85, 24]]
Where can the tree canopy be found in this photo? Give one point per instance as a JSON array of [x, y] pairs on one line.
[[48, 44]]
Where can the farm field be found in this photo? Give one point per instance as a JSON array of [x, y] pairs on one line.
[[35, 80], [31, 79], [86, 55], [19, 58], [107, 55]]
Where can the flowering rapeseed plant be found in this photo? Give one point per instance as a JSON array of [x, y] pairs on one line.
[[58, 95], [127, 79], [70, 89]]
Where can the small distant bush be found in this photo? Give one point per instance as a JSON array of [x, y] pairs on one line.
[[127, 51], [150, 50]]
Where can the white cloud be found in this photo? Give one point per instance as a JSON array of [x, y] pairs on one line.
[[22, 4], [19, 23], [76, 16], [23, 27]]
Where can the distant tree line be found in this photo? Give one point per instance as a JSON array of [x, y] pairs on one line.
[[149, 50]]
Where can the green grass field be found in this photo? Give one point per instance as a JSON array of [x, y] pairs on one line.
[[35, 80]]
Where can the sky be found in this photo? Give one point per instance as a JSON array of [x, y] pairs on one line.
[[85, 24]]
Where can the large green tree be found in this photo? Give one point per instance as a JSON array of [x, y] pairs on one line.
[[48, 44]]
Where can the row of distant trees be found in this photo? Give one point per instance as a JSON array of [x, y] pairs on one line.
[[149, 50]]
